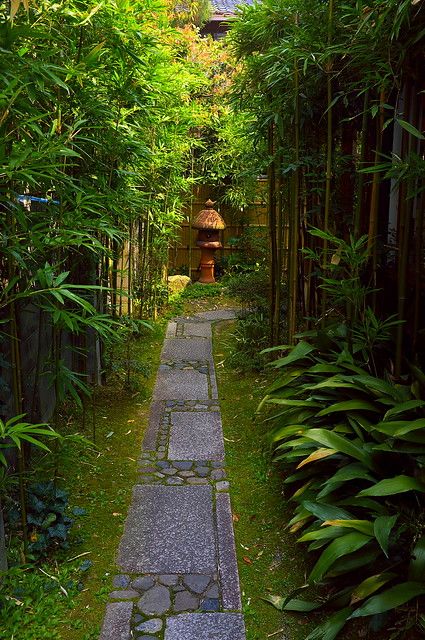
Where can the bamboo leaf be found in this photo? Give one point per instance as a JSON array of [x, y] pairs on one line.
[[353, 471], [324, 511], [319, 454], [393, 486], [293, 604], [331, 628], [300, 351], [417, 563], [349, 405], [289, 430], [364, 526], [382, 528], [370, 585], [288, 402], [400, 427], [390, 599], [339, 443], [404, 407], [322, 534], [410, 129], [340, 547]]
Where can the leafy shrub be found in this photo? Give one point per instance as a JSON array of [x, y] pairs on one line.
[[201, 291], [353, 448], [251, 334], [251, 250], [47, 519], [251, 289]]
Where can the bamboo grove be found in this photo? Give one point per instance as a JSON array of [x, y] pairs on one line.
[[103, 107], [337, 90]]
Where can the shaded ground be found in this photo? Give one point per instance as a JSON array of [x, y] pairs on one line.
[[268, 560]]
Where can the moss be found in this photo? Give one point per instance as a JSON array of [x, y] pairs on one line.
[[268, 561], [102, 484]]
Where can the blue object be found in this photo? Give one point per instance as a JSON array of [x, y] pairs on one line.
[[25, 198]]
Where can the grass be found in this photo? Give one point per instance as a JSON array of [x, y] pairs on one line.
[[268, 561]]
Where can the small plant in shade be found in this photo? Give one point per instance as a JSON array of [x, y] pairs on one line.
[[201, 291], [48, 518]]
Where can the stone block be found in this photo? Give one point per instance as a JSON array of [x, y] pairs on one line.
[[169, 530], [196, 435], [183, 349], [116, 625], [187, 384], [205, 626], [197, 329], [229, 577]]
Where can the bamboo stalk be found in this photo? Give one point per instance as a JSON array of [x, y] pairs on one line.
[[294, 217], [279, 230], [405, 213], [272, 232], [362, 157], [374, 200], [329, 150]]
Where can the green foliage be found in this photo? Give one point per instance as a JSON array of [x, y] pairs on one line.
[[202, 292], [353, 450], [14, 433], [249, 335], [48, 518], [36, 600]]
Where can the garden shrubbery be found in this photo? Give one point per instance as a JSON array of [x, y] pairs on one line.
[[349, 437]]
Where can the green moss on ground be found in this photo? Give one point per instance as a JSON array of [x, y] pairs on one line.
[[269, 561], [103, 487]]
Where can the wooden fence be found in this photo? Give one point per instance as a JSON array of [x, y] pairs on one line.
[[184, 255]]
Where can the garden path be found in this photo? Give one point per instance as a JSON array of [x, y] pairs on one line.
[[178, 573]]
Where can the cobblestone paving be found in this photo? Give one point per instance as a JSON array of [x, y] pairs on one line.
[[177, 575]]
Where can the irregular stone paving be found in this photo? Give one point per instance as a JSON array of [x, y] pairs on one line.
[[178, 576]]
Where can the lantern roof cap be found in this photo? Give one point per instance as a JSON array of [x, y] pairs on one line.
[[209, 218]]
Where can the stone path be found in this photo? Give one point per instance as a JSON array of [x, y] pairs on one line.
[[178, 577]]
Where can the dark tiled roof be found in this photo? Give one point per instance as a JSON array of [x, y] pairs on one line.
[[228, 6]]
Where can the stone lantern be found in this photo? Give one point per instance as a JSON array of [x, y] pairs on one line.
[[208, 222]]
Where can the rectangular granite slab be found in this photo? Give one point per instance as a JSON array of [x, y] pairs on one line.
[[197, 329], [169, 530], [181, 384], [116, 625], [196, 436], [228, 566], [179, 349], [205, 626]]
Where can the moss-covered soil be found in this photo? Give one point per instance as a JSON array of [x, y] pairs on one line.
[[268, 561]]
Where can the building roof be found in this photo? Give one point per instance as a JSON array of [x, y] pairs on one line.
[[228, 7]]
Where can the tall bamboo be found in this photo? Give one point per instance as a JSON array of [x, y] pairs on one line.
[[405, 214], [279, 241], [329, 146], [294, 215], [362, 157], [374, 199], [272, 231]]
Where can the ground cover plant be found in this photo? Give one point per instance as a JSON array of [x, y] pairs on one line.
[[352, 448]]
